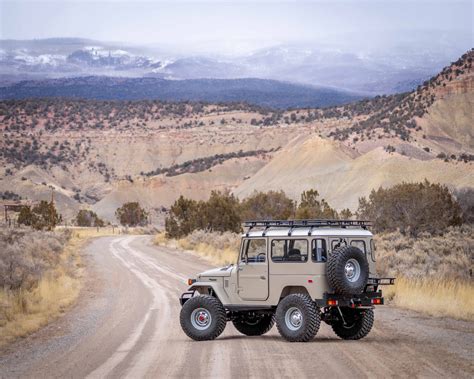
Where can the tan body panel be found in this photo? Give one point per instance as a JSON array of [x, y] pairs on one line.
[[280, 277]]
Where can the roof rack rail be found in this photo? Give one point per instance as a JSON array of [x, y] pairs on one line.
[[306, 223]]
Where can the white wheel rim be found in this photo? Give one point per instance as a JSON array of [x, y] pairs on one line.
[[293, 318], [201, 318], [352, 270]]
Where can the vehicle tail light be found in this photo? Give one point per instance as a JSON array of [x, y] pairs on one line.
[[377, 300], [191, 281], [332, 302]]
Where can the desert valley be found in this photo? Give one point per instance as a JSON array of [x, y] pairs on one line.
[[98, 154]]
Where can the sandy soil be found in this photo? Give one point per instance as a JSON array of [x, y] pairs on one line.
[[126, 324]]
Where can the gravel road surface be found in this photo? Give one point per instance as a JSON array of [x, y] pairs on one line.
[[126, 324]]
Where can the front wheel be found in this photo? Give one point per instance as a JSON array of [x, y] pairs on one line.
[[297, 318], [357, 323], [254, 325], [203, 318]]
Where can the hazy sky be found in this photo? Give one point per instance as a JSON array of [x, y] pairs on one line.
[[236, 26]]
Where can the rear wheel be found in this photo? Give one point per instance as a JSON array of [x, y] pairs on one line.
[[297, 318], [357, 323], [252, 324], [203, 318]]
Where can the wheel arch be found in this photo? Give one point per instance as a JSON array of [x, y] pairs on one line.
[[289, 290], [212, 289]]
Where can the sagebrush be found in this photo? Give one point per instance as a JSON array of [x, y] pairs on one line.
[[25, 255], [445, 257]]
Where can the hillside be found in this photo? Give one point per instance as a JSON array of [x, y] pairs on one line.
[[341, 178], [269, 93], [99, 154]]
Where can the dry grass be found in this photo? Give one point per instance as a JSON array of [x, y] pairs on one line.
[[449, 298], [433, 272], [217, 248], [29, 304], [447, 257]]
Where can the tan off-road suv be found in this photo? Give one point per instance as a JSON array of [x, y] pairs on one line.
[[295, 273]]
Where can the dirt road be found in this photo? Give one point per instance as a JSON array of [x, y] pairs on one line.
[[126, 324]]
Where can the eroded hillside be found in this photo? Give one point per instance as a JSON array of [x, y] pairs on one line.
[[101, 153]]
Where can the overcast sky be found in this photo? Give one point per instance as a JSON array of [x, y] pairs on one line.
[[226, 26]]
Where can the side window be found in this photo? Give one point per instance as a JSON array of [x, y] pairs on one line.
[[290, 250], [318, 250], [359, 244], [372, 250], [255, 251], [337, 243]]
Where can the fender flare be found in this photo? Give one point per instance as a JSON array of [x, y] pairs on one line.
[[203, 288]]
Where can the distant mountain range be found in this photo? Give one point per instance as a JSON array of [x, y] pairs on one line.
[[268, 93], [370, 72]]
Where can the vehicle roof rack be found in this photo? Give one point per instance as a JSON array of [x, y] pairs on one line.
[[292, 224]]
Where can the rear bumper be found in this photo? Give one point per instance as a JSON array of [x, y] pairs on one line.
[[366, 299], [374, 283], [380, 281]]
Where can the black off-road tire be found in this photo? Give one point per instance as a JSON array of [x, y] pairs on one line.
[[357, 327], [311, 318], [335, 270], [215, 309], [254, 326]]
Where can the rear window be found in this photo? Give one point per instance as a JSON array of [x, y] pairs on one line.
[[290, 250], [318, 250], [359, 244], [337, 243]]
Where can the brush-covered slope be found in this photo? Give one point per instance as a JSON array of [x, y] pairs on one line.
[[99, 154], [263, 92], [341, 178]]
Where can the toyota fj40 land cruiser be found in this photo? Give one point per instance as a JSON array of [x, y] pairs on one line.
[[295, 273]]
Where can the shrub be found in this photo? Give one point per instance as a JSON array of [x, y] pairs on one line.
[[444, 258], [42, 216], [220, 213], [25, 255], [310, 207], [88, 218], [271, 205], [183, 218], [346, 214], [9, 195], [465, 198], [131, 214], [412, 208]]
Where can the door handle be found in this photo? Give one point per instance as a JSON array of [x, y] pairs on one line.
[[263, 277], [240, 268]]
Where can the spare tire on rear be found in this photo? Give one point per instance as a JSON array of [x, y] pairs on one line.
[[347, 270]]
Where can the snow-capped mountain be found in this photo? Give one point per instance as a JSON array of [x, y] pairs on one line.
[[96, 56], [369, 72], [57, 58]]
